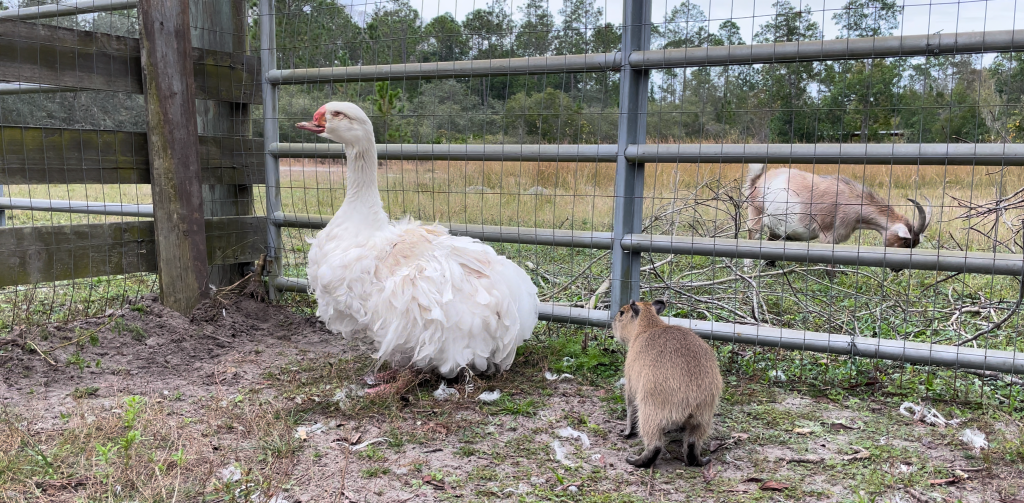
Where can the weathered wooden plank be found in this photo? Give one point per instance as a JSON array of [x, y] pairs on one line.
[[51, 55], [233, 240], [173, 140], [35, 155], [43, 254], [221, 25]]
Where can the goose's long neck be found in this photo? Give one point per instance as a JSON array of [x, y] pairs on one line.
[[362, 198]]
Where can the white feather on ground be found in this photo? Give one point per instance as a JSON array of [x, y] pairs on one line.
[[489, 396], [568, 432], [425, 298]]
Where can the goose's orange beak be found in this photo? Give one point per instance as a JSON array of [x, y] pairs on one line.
[[319, 124]]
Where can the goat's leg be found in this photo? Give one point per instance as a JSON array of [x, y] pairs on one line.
[[772, 237], [753, 231], [830, 269]]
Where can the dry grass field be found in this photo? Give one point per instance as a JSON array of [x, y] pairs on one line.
[[680, 199]]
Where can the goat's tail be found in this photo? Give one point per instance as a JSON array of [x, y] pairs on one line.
[[754, 173]]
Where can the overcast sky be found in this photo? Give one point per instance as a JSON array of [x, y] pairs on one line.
[[919, 16]]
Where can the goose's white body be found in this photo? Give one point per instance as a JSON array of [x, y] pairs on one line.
[[424, 297]]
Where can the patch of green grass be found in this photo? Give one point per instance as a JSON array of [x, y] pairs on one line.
[[509, 406], [134, 331], [525, 446], [1012, 448], [84, 391], [466, 451], [398, 438], [615, 404], [371, 453], [483, 473], [278, 446], [374, 471], [76, 360], [133, 410]]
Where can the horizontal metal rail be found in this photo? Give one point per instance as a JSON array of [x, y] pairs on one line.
[[83, 207], [886, 154], [885, 349], [974, 154], [10, 88], [829, 50], [490, 233], [576, 63], [922, 259], [429, 151], [782, 52], [67, 9]]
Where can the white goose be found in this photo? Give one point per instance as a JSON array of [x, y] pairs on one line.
[[424, 297]]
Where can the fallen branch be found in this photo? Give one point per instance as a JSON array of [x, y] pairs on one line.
[[861, 454], [803, 459], [572, 281], [1001, 322], [734, 278], [920, 498], [605, 286], [36, 347], [988, 374], [971, 469], [732, 440]]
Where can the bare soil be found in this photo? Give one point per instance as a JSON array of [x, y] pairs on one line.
[[273, 393]]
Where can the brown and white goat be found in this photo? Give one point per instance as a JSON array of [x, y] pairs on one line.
[[795, 205]]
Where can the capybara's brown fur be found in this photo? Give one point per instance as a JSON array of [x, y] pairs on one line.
[[672, 382]]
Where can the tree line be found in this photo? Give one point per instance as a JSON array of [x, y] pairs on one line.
[[931, 100], [939, 99]]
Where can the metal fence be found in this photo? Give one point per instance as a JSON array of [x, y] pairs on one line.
[[629, 238], [617, 174]]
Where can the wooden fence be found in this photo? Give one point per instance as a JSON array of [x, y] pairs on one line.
[[197, 152]]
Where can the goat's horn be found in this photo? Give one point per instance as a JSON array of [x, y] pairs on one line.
[[922, 216], [928, 221]]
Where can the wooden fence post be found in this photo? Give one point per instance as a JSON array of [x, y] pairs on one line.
[[221, 25], [173, 137]]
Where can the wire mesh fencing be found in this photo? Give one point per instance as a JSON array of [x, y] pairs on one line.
[[610, 150], [607, 148], [75, 170]]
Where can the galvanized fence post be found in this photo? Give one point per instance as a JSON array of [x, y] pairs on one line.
[[629, 176], [268, 55]]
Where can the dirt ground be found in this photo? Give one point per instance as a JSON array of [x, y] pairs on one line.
[[245, 401]]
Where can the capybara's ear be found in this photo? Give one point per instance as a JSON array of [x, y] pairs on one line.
[[659, 306]]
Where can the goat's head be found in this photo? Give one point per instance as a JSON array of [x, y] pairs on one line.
[[906, 233]]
